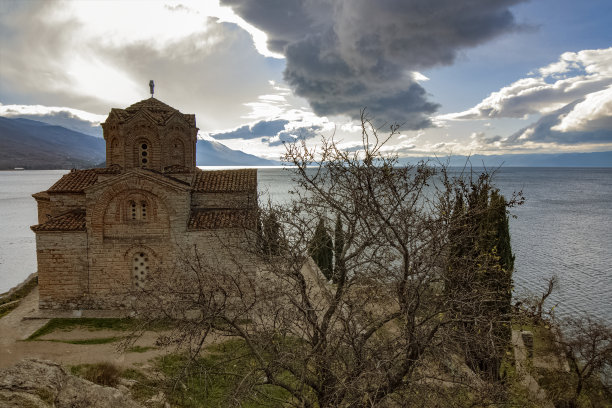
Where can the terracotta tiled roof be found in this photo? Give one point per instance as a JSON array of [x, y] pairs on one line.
[[75, 181], [226, 181], [71, 221], [155, 108], [221, 218], [78, 180]]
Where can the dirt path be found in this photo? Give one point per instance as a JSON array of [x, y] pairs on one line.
[[14, 329]]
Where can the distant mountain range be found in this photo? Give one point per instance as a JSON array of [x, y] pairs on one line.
[[212, 153], [36, 145], [594, 159], [31, 144]]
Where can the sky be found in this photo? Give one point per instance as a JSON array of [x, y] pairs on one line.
[[459, 77]]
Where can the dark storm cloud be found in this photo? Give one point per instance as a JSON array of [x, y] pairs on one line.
[[290, 136], [263, 128], [271, 132], [344, 55]]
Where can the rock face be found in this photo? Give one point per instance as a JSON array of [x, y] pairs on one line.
[[39, 383]]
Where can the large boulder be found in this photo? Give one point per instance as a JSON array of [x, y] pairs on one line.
[[39, 383]]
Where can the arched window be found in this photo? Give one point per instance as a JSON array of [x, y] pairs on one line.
[[143, 157], [133, 211], [137, 211], [140, 269]]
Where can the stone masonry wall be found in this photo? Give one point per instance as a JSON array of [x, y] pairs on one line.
[[62, 268], [106, 266], [61, 203], [123, 251], [44, 210]]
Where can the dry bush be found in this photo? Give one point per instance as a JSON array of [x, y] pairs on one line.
[[106, 374]]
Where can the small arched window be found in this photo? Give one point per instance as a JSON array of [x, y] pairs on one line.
[[137, 211], [133, 211], [140, 269], [144, 154]]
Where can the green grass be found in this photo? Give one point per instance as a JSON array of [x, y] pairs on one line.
[[103, 340], [21, 293], [559, 385], [17, 295], [139, 349], [83, 323], [216, 379], [211, 382], [7, 309]]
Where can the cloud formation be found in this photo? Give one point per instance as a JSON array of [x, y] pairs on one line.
[[550, 129], [273, 132], [75, 119], [293, 135], [98, 55], [263, 128], [574, 76], [573, 97], [344, 55]]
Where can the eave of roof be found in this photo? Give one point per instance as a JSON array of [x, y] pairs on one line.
[[214, 219], [42, 195], [70, 221], [78, 180]]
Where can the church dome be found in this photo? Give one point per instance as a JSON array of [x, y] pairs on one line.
[[156, 109]]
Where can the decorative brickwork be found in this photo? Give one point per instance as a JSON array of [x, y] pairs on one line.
[[103, 232]]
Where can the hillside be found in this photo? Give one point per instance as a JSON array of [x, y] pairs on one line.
[[37, 145], [212, 153], [30, 144], [593, 159]]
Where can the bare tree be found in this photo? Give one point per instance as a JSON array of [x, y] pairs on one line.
[[386, 332], [587, 344], [531, 306]]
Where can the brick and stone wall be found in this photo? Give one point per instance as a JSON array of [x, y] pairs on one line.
[[103, 234], [62, 268]]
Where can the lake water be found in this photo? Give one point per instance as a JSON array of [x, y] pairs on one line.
[[564, 228]]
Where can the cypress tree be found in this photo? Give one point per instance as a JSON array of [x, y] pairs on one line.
[[481, 263], [339, 265], [270, 235], [321, 250]]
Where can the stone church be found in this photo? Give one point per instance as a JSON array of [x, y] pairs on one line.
[[101, 232]]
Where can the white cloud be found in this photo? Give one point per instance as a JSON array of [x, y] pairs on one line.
[[95, 55], [593, 113], [573, 77], [40, 110]]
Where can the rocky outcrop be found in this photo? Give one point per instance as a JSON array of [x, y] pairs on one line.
[[41, 384]]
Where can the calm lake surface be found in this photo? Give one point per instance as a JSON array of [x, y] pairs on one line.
[[564, 228]]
